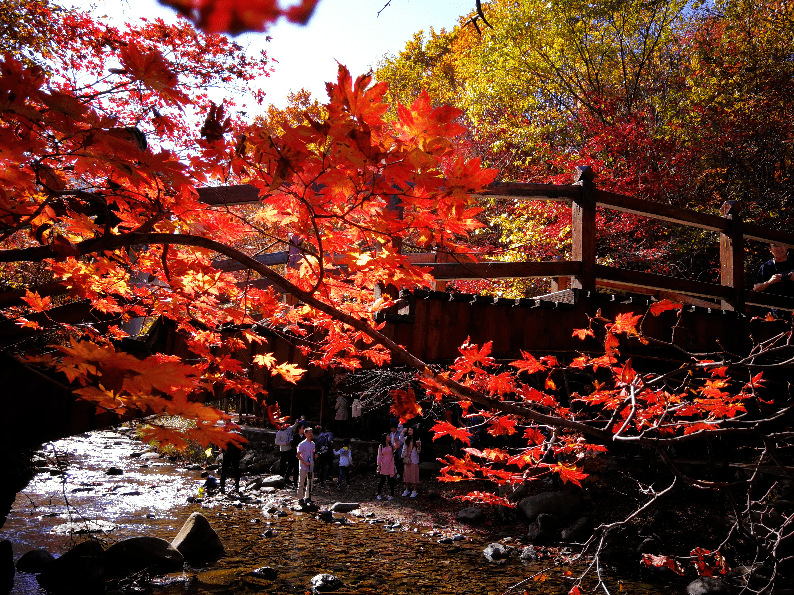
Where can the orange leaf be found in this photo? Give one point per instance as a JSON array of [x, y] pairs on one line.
[[529, 364], [443, 428], [625, 322], [583, 332], [659, 307], [405, 406], [35, 301], [502, 425]]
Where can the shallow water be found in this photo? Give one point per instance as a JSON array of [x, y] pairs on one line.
[[152, 500]]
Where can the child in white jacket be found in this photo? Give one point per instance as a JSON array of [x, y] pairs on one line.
[[345, 459]]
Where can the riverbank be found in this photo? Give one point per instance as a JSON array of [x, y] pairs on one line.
[[109, 487]]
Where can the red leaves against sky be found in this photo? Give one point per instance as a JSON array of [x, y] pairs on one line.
[[239, 16]]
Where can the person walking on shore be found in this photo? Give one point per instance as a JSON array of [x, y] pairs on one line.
[[386, 468], [305, 464]]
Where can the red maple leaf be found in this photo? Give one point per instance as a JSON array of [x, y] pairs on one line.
[[625, 322], [405, 406], [502, 425], [529, 364], [443, 428]]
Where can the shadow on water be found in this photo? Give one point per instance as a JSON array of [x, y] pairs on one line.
[[150, 498]]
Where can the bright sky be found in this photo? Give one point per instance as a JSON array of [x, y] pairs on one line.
[[348, 31]]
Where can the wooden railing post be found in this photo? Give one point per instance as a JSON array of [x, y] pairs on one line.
[[732, 256], [583, 228]]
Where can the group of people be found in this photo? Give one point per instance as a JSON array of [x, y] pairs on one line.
[[398, 456], [304, 449], [301, 454]]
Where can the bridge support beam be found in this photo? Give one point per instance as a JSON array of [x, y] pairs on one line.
[[583, 228], [732, 257]]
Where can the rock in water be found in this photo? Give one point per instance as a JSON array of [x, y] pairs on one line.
[[152, 554], [197, 540], [80, 570], [323, 583], [497, 552], [35, 561], [344, 506], [560, 504], [470, 515], [528, 554], [265, 572], [6, 566], [706, 584]]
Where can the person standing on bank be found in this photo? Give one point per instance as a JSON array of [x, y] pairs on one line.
[[386, 469], [776, 275], [284, 443], [305, 464], [411, 449]]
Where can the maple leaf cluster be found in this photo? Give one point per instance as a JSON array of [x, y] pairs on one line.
[[101, 169]]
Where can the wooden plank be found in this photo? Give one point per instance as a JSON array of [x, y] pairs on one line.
[[764, 234], [437, 324], [769, 300], [653, 281], [658, 293], [272, 258], [418, 344], [503, 270], [657, 210], [511, 190], [229, 195]]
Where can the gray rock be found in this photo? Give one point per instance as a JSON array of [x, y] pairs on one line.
[[35, 561], [497, 552], [561, 504], [322, 583], [265, 572], [197, 540], [344, 506], [6, 566], [152, 554], [471, 515], [529, 554], [114, 471], [579, 532], [707, 584]]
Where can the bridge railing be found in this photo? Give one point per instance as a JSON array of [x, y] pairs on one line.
[[583, 269], [587, 274]]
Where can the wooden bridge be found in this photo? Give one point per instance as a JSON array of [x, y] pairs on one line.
[[433, 324]]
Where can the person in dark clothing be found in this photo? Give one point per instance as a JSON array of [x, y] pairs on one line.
[[231, 463], [777, 275]]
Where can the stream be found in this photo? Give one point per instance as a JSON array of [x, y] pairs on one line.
[[67, 502]]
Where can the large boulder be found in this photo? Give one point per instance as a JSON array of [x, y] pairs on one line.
[[80, 570], [560, 504], [578, 532], [152, 554], [6, 566], [471, 515], [35, 561], [197, 540]]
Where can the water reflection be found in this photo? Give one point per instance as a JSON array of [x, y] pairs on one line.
[[150, 498]]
